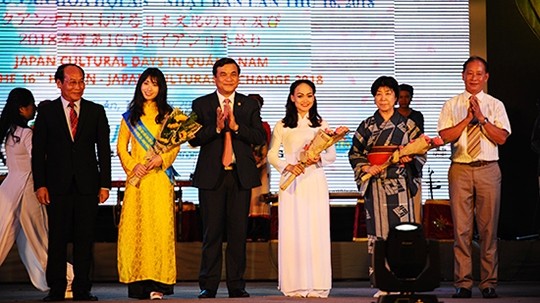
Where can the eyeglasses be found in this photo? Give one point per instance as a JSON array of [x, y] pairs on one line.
[[73, 83]]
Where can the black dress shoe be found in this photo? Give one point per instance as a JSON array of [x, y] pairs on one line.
[[238, 293], [87, 296], [207, 294], [462, 293], [53, 298], [489, 293]]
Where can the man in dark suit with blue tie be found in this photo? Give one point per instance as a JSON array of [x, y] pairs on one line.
[[71, 163], [225, 179]]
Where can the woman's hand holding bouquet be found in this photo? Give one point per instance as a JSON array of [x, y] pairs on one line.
[[140, 170], [312, 152], [405, 154], [177, 129]]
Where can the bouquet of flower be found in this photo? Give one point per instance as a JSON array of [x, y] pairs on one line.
[[323, 139], [178, 128], [419, 146]]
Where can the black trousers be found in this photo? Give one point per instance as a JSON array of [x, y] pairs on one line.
[[224, 212], [71, 217]]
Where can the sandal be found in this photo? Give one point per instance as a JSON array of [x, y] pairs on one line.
[[155, 295]]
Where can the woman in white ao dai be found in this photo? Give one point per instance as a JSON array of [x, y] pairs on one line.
[[304, 211]]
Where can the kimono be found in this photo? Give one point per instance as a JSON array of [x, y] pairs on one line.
[[388, 196]]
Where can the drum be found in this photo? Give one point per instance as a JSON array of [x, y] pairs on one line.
[[437, 220], [188, 223], [359, 229], [274, 223]]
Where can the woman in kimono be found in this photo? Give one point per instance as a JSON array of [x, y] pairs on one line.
[[146, 243], [24, 219], [304, 211], [388, 194]]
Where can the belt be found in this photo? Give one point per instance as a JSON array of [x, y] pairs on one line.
[[230, 167], [478, 163]]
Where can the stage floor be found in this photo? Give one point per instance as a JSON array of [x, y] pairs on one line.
[[342, 291], [518, 261]]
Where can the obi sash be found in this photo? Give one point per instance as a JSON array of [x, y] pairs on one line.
[[377, 155], [146, 140], [380, 154]]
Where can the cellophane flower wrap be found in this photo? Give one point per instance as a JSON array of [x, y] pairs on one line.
[[323, 139], [419, 146], [177, 129]]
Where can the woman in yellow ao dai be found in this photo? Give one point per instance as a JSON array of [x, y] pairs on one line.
[[146, 244]]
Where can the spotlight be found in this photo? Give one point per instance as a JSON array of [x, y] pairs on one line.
[[406, 263]]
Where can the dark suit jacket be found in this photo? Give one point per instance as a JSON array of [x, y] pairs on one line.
[[57, 160], [209, 167]]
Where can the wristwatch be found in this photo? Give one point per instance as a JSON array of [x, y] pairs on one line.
[[485, 121]]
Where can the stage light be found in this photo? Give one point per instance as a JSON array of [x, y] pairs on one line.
[[406, 263]]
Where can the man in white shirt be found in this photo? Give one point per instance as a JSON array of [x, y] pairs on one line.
[[475, 124]]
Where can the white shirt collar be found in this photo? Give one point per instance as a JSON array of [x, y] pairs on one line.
[[65, 102], [479, 96], [222, 98]]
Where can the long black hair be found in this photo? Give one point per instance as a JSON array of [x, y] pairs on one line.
[[11, 117], [136, 105], [291, 113]]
